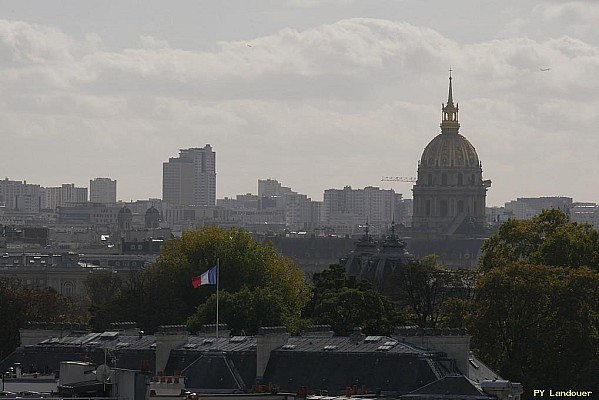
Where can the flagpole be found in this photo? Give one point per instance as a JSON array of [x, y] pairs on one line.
[[217, 282]]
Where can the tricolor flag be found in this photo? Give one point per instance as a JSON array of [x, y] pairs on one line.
[[207, 278]]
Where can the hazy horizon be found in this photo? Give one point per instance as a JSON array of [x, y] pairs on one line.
[[316, 94]]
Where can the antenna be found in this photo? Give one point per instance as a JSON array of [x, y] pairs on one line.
[[103, 373]]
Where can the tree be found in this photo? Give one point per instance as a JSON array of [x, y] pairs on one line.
[[548, 239], [244, 311], [344, 304], [536, 307], [19, 305], [426, 291], [164, 295], [539, 324]]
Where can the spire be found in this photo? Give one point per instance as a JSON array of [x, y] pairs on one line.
[[450, 97], [449, 123]]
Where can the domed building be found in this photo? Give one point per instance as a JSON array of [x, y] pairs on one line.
[[124, 218], [449, 194], [152, 218], [375, 261]]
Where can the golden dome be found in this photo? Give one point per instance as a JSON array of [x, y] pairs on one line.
[[449, 150]]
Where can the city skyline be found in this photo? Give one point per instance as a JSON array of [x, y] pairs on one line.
[[317, 95]]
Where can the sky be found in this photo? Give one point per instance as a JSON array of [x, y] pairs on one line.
[[317, 94]]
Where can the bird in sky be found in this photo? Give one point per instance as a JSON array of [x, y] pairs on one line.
[[545, 69]]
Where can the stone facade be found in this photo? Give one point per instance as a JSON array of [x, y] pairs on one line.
[[449, 194]]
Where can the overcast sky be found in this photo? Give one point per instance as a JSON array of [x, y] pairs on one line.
[[318, 94]]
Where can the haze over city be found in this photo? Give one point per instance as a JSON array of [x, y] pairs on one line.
[[317, 94]]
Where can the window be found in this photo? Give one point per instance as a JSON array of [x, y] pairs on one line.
[[68, 289], [444, 179], [427, 208], [460, 206], [443, 208], [430, 179], [460, 179]]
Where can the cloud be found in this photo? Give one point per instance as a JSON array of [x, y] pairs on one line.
[[340, 103], [570, 12], [27, 43], [152, 42], [318, 3]]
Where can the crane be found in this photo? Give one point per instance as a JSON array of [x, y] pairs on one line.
[[398, 179]]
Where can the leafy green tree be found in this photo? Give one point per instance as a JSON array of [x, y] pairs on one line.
[[344, 303], [102, 287], [548, 239], [539, 325], [164, 294], [19, 305], [428, 293], [245, 311], [347, 308]]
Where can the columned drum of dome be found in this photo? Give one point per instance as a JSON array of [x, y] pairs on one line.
[[449, 194]]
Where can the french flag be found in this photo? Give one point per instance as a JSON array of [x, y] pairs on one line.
[[207, 278]]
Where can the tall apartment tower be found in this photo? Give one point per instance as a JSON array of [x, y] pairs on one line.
[[272, 187], [64, 195], [190, 179], [20, 195], [102, 190]]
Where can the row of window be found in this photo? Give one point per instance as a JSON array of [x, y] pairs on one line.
[[443, 207], [444, 181]]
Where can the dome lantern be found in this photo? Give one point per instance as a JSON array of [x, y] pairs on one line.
[[449, 121]]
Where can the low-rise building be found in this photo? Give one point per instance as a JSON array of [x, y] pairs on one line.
[[528, 207], [412, 362], [65, 272]]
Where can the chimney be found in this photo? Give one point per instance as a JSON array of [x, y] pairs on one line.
[[268, 339], [125, 328], [168, 337], [356, 336], [35, 332], [318, 331], [453, 342], [209, 330], [501, 389]]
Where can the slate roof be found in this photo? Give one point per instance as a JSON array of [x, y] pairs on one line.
[[343, 344], [335, 363], [234, 362], [214, 372], [378, 363], [448, 387], [478, 371], [119, 350]]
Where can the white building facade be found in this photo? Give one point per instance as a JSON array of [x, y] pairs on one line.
[[528, 207]]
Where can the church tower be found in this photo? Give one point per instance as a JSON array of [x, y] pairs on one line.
[[449, 194]]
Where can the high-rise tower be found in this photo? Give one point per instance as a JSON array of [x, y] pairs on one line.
[[449, 194], [190, 179], [102, 190]]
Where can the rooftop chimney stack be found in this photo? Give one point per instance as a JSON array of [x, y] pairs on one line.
[[268, 339]]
